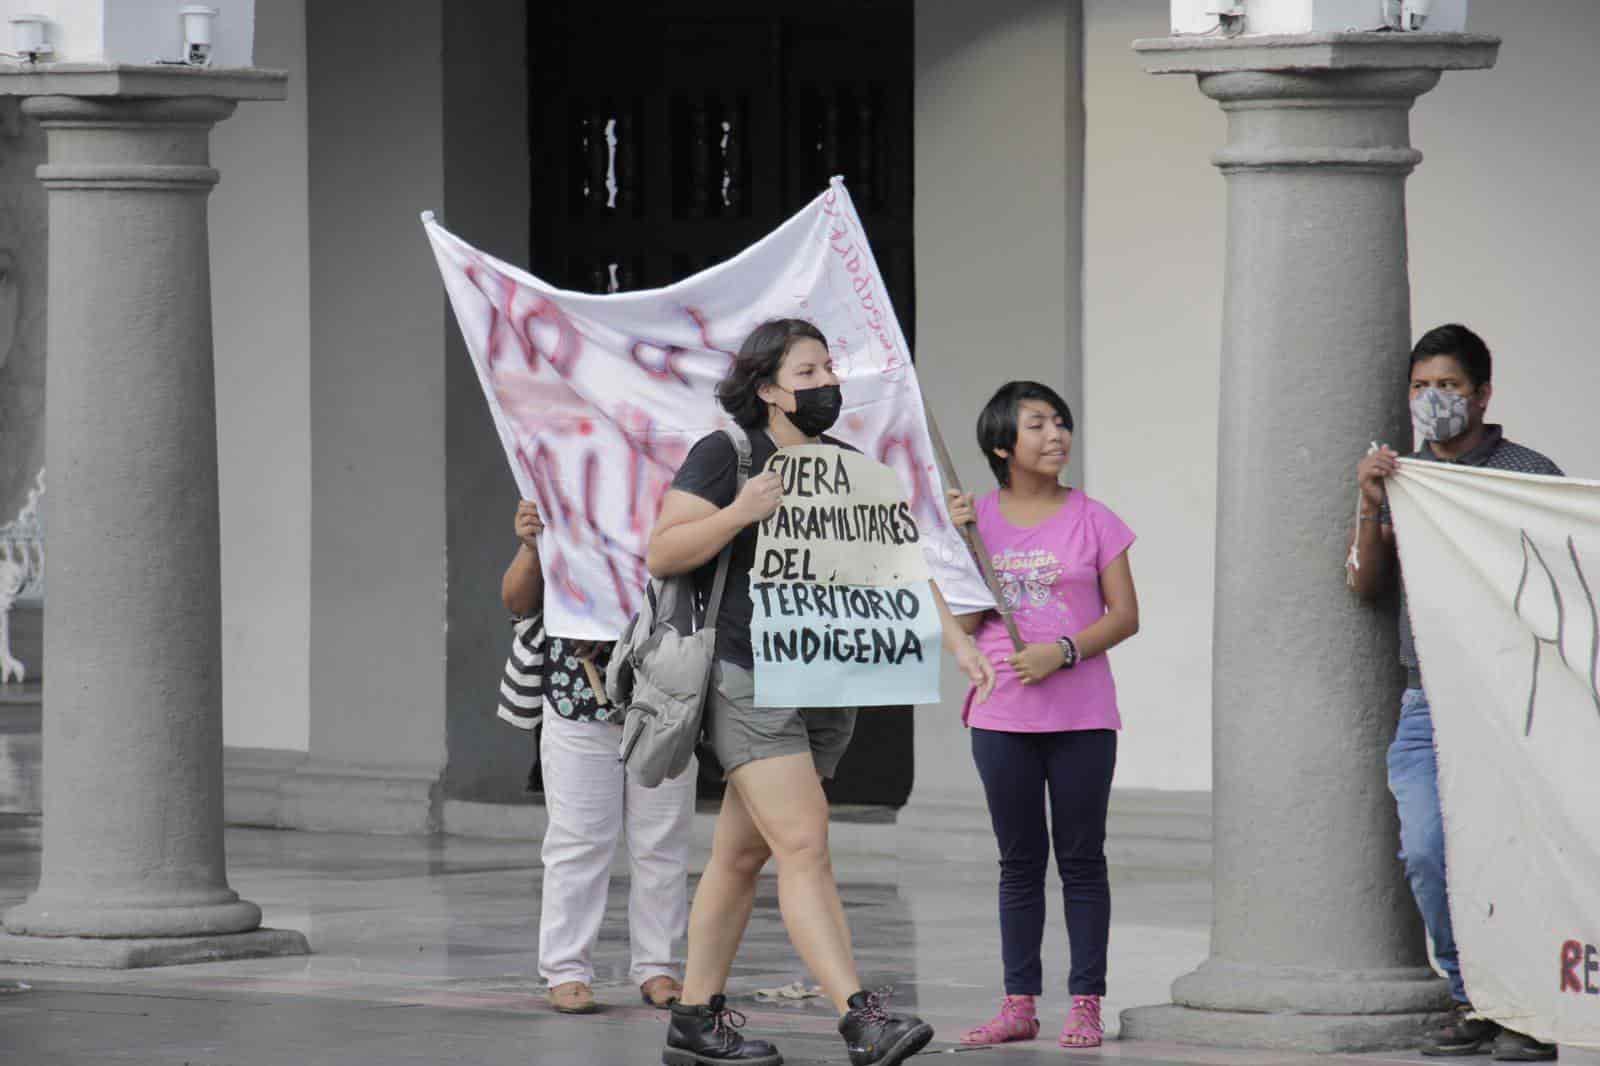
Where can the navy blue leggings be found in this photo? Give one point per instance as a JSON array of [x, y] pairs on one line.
[[1076, 767]]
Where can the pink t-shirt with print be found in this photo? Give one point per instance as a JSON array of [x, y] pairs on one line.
[[1050, 577]]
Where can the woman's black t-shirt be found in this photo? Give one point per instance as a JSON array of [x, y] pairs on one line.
[[711, 472]]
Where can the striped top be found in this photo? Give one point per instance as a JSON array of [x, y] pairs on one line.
[[543, 674]]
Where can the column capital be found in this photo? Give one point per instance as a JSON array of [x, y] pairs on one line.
[[1318, 53], [133, 81], [1318, 102], [118, 142]]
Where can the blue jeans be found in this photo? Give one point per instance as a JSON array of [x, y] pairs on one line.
[[1414, 781]]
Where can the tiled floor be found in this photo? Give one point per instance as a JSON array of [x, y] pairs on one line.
[[425, 954]]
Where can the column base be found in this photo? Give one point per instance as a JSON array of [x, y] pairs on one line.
[[1260, 989], [1320, 1033], [46, 917], [115, 954], [1294, 1008]]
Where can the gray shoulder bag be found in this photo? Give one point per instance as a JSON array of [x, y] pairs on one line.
[[661, 667]]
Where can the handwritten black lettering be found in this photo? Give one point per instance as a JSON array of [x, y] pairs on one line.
[[846, 645], [1532, 555]]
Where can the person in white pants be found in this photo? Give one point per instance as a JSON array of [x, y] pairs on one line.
[[591, 800]]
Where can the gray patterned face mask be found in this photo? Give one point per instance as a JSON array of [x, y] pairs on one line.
[[1439, 415]]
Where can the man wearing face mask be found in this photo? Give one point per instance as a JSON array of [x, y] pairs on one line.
[[1450, 391]]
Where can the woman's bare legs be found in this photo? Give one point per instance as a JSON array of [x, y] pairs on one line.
[[723, 900], [783, 797]]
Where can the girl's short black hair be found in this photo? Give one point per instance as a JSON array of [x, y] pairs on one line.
[[757, 363], [997, 424]]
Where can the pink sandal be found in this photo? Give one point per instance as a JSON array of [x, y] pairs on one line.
[[1084, 1027], [1017, 1020]]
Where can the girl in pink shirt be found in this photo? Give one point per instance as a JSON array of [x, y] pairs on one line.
[[1047, 734]]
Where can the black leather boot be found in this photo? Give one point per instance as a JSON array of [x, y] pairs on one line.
[[874, 1037], [708, 1035]]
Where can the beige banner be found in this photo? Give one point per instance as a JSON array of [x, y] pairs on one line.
[[844, 520]]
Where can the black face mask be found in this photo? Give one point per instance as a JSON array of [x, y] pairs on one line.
[[815, 410]]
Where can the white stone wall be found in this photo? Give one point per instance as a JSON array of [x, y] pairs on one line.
[[260, 305], [1153, 239], [1505, 222], [997, 277]]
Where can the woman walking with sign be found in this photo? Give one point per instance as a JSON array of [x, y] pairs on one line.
[[1051, 724], [783, 391]]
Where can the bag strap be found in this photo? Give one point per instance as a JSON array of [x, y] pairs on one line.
[[741, 445]]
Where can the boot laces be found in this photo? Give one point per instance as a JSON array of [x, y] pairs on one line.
[[877, 1008], [727, 1022]]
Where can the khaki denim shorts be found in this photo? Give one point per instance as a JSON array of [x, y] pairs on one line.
[[740, 732]]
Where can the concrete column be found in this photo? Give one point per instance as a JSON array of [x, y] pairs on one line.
[[379, 571], [1315, 940], [133, 869]]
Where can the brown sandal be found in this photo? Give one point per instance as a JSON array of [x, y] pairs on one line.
[[660, 991], [573, 997]]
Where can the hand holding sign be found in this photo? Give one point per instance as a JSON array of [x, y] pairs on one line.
[[962, 511], [759, 498]]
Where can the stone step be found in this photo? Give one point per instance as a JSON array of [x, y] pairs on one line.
[[1146, 829], [1168, 832]]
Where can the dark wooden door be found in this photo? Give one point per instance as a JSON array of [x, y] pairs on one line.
[[670, 136]]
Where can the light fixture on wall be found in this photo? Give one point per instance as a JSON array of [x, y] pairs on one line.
[[198, 21], [30, 37], [1414, 13]]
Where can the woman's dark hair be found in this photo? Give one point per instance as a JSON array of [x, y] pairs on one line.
[[997, 424], [757, 363], [1462, 345]]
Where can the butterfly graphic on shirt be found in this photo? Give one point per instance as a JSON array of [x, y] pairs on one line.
[[1026, 580]]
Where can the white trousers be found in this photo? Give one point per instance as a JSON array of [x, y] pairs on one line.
[[591, 801]]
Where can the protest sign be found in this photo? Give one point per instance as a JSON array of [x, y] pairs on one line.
[[581, 384], [1502, 573], [843, 612]]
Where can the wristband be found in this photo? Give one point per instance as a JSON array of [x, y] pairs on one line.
[[1069, 652]]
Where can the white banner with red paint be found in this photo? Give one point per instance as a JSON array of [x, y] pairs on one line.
[[598, 398], [1502, 572]]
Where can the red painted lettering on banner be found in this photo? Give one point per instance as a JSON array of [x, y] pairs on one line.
[[553, 503], [843, 243], [660, 361], [559, 575], [624, 592], [1571, 959], [652, 460], [551, 334], [499, 291], [591, 494], [902, 445], [704, 327]]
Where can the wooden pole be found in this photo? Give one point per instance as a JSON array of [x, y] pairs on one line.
[[969, 533]]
